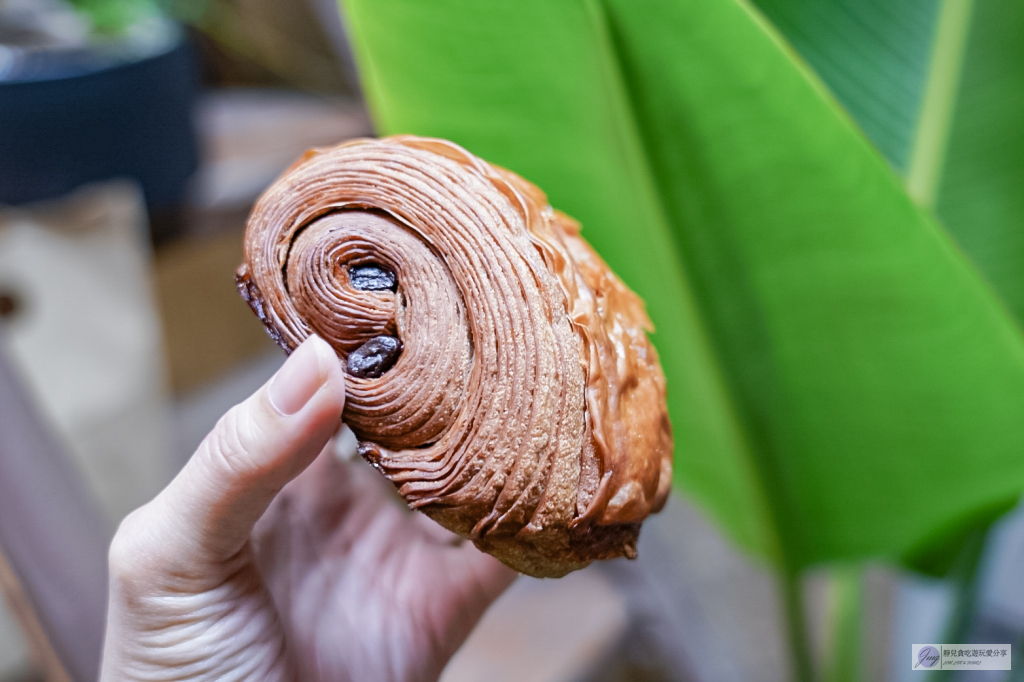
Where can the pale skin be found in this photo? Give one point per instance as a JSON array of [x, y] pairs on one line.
[[267, 560]]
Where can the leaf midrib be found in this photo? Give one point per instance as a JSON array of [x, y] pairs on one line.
[[935, 121]]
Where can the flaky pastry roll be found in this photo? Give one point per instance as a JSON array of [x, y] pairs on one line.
[[500, 374]]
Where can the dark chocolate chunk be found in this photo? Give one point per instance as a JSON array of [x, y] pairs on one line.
[[374, 357], [372, 277]]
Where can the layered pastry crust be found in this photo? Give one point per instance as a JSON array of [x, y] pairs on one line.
[[515, 399]]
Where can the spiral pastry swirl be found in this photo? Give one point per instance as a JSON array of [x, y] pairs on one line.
[[500, 374]]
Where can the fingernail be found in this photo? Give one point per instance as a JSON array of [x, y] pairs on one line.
[[300, 377]]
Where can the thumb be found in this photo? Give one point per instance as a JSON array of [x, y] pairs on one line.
[[207, 512]]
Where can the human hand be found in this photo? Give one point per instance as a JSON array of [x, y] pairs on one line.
[[263, 561]]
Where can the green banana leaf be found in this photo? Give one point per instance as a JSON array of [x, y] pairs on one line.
[[981, 191], [881, 59], [843, 383], [938, 85], [874, 55]]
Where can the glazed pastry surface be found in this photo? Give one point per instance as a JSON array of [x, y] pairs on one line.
[[500, 374]]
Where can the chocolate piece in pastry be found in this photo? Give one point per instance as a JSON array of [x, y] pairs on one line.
[[499, 373]]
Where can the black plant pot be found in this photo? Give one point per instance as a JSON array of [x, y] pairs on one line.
[[69, 120]]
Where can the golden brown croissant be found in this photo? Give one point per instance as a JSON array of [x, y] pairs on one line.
[[499, 373]]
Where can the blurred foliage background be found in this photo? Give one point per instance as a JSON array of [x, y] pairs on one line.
[[297, 45], [821, 202]]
